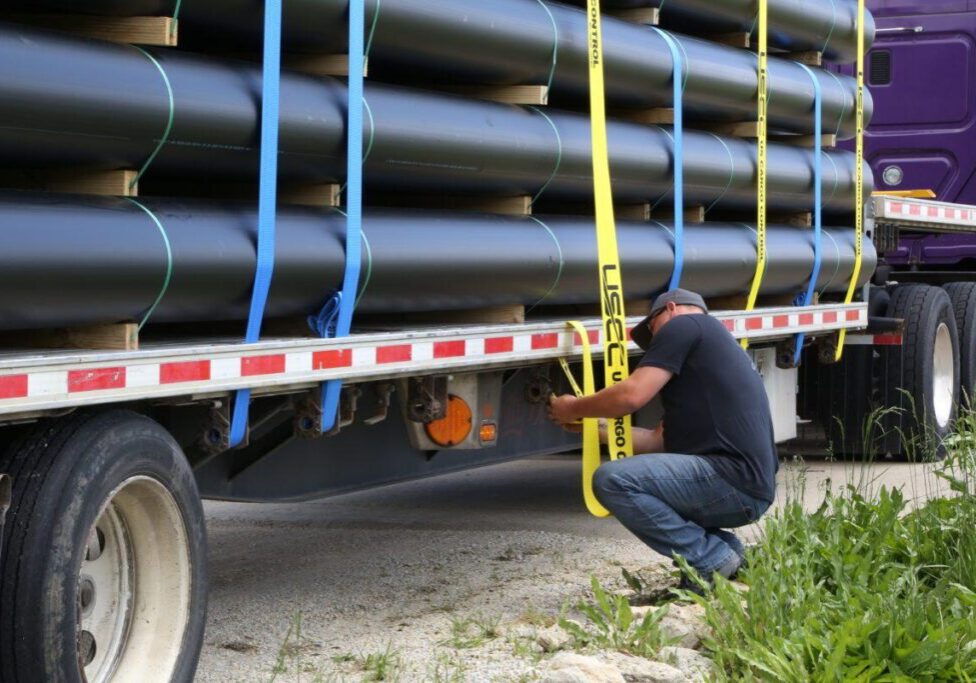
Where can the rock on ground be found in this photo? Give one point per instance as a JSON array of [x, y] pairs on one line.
[[567, 667], [694, 665], [685, 623], [640, 670], [553, 639], [682, 623]]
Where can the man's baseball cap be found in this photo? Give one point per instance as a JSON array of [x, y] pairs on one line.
[[679, 297]]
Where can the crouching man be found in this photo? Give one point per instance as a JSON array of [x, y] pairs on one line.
[[712, 463]]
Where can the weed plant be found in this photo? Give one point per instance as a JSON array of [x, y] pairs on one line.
[[381, 666], [611, 625], [472, 631], [864, 589]]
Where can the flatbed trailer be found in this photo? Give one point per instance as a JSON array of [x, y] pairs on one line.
[[107, 454], [102, 554], [397, 381]]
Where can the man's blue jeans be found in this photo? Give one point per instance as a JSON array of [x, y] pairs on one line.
[[678, 504]]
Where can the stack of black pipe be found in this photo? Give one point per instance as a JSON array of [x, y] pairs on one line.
[[70, 103]]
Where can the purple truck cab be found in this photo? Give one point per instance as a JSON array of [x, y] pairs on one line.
[[922, 75]]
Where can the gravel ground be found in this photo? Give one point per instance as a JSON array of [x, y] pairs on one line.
[[439, 579]]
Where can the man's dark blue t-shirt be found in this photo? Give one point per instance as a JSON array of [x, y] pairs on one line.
[[715, 405]]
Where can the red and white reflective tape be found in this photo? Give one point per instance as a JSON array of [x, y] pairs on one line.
[[55, 379], [749, 326], [928, 211], [887, 339]]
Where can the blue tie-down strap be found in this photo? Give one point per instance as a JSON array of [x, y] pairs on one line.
[[267, 201], [677, 78], [806, 298], [339, 309], [325, 322]]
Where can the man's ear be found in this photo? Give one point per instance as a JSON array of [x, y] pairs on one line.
[[672, 307]]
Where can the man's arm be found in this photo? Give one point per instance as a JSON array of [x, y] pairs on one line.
[[645, 440], [648, 440], [618, 400]]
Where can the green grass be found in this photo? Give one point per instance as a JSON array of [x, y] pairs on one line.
[[610, 625], [864, 589], [381, 666], [293, 663], [446, 669], [292, 666], [471, 632], [533, 616]]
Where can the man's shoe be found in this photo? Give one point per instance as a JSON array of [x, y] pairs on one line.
[[731, 569], [691, 586]]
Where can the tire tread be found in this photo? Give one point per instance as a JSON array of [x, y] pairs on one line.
[[963, 297], [30, 459], [916, 304]]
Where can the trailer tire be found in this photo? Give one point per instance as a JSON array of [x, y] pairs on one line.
[[963, 297], [923, 378], [103, 573]]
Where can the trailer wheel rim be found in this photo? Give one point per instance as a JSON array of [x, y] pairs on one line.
[[134, 586], [943, 376]]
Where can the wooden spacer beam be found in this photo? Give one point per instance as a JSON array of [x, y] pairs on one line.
[[112, 183], [827, 140], [810, 57], [648, 16], [735, 39], [798, 219], [632, 212], [115, 337], [312, 194], [494, 315], [510, 206], [159, 31], [650, 117], [322, 65], [693, 214], [506, 94]]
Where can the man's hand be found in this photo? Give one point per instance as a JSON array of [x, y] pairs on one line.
[[573, 427], [621, 399], [562, 409]]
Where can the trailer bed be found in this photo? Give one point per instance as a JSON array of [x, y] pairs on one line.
[[33, 382]]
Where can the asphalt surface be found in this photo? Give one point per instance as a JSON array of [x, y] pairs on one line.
[[311, 591]]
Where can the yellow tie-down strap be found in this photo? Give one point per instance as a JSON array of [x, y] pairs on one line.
[[615, 361], [858, 178], [762, 138], [591, 426]]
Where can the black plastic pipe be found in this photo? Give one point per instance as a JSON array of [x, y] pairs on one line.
[[827, 26], [824, 25], [510, 42], [97, 105], [70, 260]]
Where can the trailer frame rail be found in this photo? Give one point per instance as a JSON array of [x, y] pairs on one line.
[[33, 382]]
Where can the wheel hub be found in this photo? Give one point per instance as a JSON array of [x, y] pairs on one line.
[[104, 595], [943, 376], [136, 561]]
